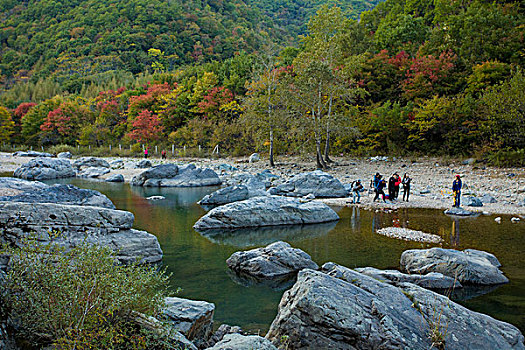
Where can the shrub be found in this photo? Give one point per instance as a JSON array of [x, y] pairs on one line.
[[80, 298]]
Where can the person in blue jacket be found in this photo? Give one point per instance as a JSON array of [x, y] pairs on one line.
[[456, 188]]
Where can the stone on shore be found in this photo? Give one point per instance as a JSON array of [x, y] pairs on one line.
[[115, 178], [45, 169], [459, 212], [432, 280], [255, 157], [93, 172], [232, 194], [62, 194], [172, 175], [116, 164], [71, 225], [409, 235], [87, 162], [20, 184], [192, 318], [344, 309], [487, 199], [64, 155], [319, 183], [143, 164], [276, 260], [32, 154], [266, 211], [223, 330], [469, 266], [243, 342], [470, 201]]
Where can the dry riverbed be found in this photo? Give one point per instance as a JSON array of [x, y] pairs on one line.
[[435, 176]]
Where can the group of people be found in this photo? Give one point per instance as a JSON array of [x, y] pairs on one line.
[[379, 184], [146, 153]]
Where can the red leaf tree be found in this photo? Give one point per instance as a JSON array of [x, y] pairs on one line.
[[146, 127]]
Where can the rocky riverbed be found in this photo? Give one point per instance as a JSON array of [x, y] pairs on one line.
[[432, 178]]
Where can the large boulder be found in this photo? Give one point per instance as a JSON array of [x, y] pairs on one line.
[[20, 184], [71, 225], [45, 169], [232, 194], [344, 309], [432, 280], [192, 318], [32, 154], [318, 183], [236, 341], [115, 178], [87, 162], [62, 194], [276, 260], [266, 211], [469, 266], [143, 164], [93, 172], [172, 175]]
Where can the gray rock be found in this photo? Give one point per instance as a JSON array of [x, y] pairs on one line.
[[71, 225], [192, 318], [93, 172], [171, 175], [20, 184], [87, 162], [344, 309], [64, 155], [232, 194], [115, 178], [432, 280], [116, 164], [459, 212], [470, 201], [255, 157], [32, 154], [469, 161], [143, 164], [226, 167], [409, 235], [266, 211], [222, 331], [319, 183], [276, 260], [45, 169], [243, 342], [487, 199], [471, 266], [62, 194]]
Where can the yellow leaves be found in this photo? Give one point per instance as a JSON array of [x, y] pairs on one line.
[[231, 107]]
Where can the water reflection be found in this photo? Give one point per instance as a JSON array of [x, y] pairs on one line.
[[454, 233], [279, 283], [260, 236]]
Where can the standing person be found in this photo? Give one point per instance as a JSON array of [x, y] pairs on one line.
[[163, 154], [392, 187], [406, 186], [379, 190], [397, 183], [375, 183], [456, 188], [146, 152], [357, 187]]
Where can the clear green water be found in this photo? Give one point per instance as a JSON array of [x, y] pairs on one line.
[[199, 268]]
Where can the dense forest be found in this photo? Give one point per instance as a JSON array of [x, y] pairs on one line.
[[441, 77]]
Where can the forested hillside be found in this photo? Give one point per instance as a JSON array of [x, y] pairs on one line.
[[410, 77]]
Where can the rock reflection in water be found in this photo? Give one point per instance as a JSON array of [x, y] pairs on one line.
[[278, 283], [470, 292], [259, 236]]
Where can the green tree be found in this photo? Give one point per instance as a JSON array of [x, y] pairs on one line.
[[6, 125]]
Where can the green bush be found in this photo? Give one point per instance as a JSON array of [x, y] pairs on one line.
[[80, 299], [507, 158]]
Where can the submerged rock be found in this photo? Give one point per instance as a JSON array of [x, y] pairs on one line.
[[276, 260], [171, 175], [266, 211], [93, 172], [243, 342], [344, 309], [45, 169], [318, 183], [468, 266], [88, 162], [192, 318], [432, 280], [62, 194], [71, 225]]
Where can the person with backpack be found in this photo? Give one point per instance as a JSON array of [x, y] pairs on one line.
[[406, 186], [379, 190], [456, 188], [357, 188]]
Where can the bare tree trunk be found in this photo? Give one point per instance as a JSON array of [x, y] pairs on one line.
[[271, 147], [327, 147], [319, 157]]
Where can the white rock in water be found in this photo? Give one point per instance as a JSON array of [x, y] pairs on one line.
[[409, 235], [498, 220], [515, 219], [156, 198]]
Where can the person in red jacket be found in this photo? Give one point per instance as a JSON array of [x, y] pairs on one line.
[[397, 183]]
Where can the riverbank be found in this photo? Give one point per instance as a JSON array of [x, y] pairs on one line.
[[432, 178]]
